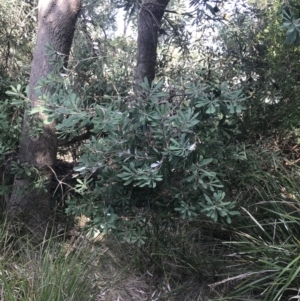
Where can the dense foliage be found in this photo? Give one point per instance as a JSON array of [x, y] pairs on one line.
[[214, 139]]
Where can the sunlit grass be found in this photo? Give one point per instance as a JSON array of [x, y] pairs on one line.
[[41, 272]]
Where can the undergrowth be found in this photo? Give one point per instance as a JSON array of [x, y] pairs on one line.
[[263, 262], [47, 271], [255, 258]]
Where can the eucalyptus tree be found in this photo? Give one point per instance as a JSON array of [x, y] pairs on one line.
[[56, 26], [149, 23]]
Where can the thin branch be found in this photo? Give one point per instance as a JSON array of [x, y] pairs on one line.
[[66, 142]]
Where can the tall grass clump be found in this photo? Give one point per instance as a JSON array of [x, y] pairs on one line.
[[264, 258], [47, 271]]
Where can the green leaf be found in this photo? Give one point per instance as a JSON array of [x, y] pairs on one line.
[[211, 109], [35, 110], [291, 37]]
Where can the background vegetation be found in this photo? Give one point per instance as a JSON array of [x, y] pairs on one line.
[[186, 188]]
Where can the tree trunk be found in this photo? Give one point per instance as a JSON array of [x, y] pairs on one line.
[[149, 23], [56, 28]]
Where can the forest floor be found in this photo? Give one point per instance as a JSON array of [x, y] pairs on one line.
[[106, 269]]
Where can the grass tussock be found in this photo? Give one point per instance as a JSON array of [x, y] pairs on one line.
[[47, 271], [263, 262]]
